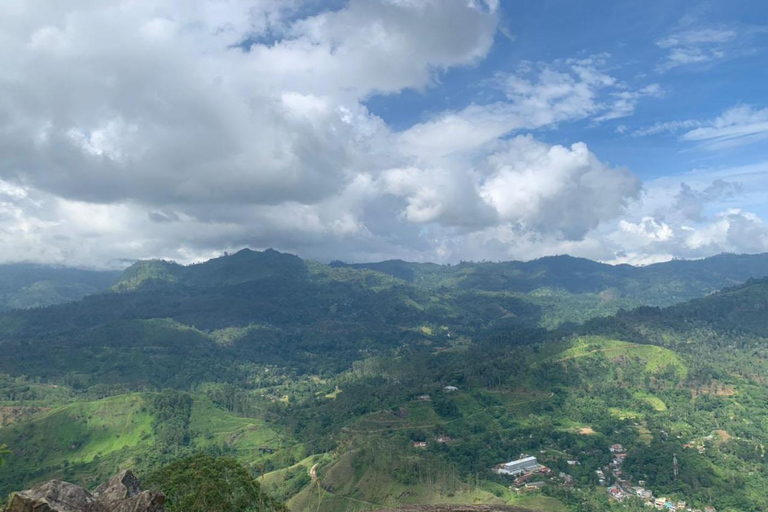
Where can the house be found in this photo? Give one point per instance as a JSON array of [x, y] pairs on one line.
[[572, 462], [450, 389], [423, 398], [660, 503], [419, 444], [616, 493], [519, 467], [616, 448], [443, 439], [532, 486], [643, 493], [710, 509], [524, 478]]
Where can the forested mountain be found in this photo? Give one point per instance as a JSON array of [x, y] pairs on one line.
[[29, 286], [168, 324], [658, 284], [351, 387]]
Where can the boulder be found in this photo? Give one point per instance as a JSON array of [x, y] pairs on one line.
[[53, 496], [121, 486], [120, 494]]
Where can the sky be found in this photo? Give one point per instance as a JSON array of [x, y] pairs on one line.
[[364, 130]]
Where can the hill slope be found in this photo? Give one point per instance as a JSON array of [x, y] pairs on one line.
[[29, 286]]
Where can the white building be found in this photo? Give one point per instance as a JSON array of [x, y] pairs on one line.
[[519, 467]]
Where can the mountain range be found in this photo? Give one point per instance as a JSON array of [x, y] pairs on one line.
[[314, 377]]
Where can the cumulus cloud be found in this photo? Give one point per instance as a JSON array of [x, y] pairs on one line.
[[734, 230], [554, 189], [107, 101], [181, 129], [691, 203]]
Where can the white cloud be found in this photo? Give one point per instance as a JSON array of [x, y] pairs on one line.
[[624, 102], [537, 95], [554, 189], [178, 129], [107, 101], [695, 46], [740, 125], [737, 126]]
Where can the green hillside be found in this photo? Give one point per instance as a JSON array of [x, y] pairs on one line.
[[24, 286], [320, 379]]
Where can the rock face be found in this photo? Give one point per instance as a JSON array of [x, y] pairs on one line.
[[120, 494]]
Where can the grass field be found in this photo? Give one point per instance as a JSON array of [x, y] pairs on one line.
[[78, 441], [84, 442], [656, 358]]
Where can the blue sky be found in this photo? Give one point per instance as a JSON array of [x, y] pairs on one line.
[[629, 32], [428, 130]]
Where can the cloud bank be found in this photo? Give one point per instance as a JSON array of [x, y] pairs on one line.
[[181, 129]]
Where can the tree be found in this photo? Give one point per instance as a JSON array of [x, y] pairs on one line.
[[202, 483], [4, 452]]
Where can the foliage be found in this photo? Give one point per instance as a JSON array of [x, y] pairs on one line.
[[24, 285], [202, 483], [285, 365], [4, 453]]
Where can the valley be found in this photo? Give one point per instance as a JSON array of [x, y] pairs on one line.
[[354, 388]]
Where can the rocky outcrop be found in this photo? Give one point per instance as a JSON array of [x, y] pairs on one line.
[[120, 494]]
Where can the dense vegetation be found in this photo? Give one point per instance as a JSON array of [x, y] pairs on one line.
[[320, 379], [210, 484], [25, 286]]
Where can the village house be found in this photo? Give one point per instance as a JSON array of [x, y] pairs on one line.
[[616, 493], [616, 448], [419, 444], [450, 389]]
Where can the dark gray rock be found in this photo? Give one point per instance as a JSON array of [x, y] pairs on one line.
[[121, 486], [54, 496], [120, 494]]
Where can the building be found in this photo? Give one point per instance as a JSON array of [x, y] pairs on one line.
[[423, 398], [443, 439], [532, 486], [519, 467], [642, 493], [616, 493], [419, 444], [616, 448], [450, 389]]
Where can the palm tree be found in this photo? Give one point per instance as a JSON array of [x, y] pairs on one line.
[[4, 452]]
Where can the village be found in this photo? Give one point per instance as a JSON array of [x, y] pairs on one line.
[[530, 475]]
